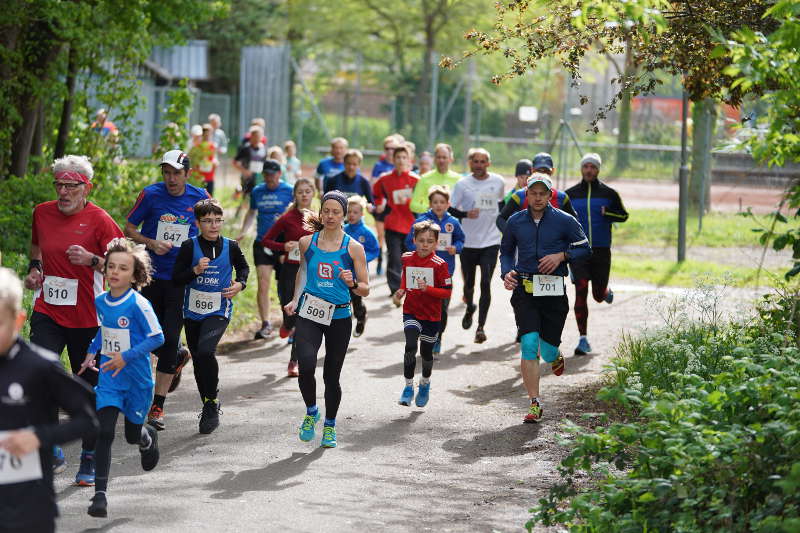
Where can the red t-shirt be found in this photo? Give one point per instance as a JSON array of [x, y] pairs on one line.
[[396, 190], [71, 305], [289, 227], [427, 304]]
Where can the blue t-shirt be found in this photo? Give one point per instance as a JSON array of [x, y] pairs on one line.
[[166, 218], [381, 167], [364, 234], [128, 325], [270, 204], [328, 168], [322, 274]]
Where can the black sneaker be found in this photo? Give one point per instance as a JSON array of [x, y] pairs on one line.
[[359, 327], [183, 358], [480, 336], [150, 454], [209, 418], [466, 322], [99, 506]]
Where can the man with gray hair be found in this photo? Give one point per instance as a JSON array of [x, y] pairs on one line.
[[34, 386], [68, 242], [218, 136]]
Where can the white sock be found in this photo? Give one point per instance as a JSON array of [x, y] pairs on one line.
[[584, 338], [537, 400], [424, 381], [410, 382], [146, 441]]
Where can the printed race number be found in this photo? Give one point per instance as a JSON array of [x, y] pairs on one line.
[[294, 254], [15, 469], [174, 233], [415, 274], [445, 241], [203, 303], [256, 166], [541, 285], [115, 340], [402, 196], [486, 202], [60, 291], [317, 310]]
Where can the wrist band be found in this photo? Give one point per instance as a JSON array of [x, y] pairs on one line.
[[35, 263]]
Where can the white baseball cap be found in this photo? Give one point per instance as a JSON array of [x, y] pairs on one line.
[[197, 129], [538, 177], [176, 159], [592, 158]]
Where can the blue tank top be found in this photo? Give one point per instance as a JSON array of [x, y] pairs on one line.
[[203, 296], [322, 274]]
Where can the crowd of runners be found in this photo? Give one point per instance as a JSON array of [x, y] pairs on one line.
[[113, 296]]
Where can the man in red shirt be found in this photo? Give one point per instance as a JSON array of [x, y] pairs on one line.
[[68, 244], [394, 190], [425, 282]]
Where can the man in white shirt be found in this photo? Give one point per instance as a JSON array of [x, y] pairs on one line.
[[479, 197]]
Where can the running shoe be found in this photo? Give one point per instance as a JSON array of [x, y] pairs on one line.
[[59, 460], [85, 475], [466, 322], [609, 296], [150, 455], [583, 348], [307, 427], [328, 437], [437, 348], [156, 417], [407, 396], [293, 370], [359, 327], [99, 506], [183, 357], [265, 332], [534, 413], [423, 394], [285, 332], [480, 336], [558, 365], [209, 417]]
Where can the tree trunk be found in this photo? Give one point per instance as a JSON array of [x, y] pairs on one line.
[[38, 139], [624, 125], [66, 111], [704, 120]]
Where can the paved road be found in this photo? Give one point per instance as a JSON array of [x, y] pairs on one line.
[[464, 463]]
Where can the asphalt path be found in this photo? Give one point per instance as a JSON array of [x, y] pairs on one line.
[[463, 463]]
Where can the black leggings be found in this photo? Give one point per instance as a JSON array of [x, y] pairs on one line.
[[285, 294], [410, 356], [167, 302], [595, 269], [45, 332], [202, 338], [107, 417], [307, 341], [395, 248], [359, 309], [443, 320], [486, 258]]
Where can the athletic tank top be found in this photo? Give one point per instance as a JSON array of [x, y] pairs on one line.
[[203, 296], [322, 275]]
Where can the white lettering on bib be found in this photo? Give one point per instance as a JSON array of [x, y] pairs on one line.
[[486, 202], [116, 340], [402, 196], [294, 254], [416, 274], [174, 233], [206, 165], [541, 285], [203, 303], [60, 291], [15, 469], [317, 310], [256, 166], [445, 241]]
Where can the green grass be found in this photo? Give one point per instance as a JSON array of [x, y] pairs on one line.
[[658, 228], [661, 272]]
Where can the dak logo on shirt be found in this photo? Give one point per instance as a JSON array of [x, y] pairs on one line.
[[325, 271], [448, 227], [123, 322], [362, 239]]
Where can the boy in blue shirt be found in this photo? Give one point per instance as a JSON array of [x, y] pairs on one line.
[[359, 231], [451, 242]]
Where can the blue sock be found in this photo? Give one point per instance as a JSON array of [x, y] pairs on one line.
[[312, 411], [330, 422]]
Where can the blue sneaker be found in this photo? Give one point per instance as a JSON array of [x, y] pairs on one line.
[[583, 348], [328, 437], [407, 396], [307, 427], [423, 394], [59, 460], [85, 475], [609, 296]]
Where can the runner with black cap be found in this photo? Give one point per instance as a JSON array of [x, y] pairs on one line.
[[165, 211]]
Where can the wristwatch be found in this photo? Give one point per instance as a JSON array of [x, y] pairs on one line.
[[95, 261], [355, 284]]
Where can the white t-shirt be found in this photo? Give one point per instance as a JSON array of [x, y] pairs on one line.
[[470, 193]]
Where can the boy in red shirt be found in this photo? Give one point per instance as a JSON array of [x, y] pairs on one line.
[[425, 281]]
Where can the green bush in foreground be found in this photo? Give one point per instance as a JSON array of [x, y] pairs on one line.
[[713, 445]]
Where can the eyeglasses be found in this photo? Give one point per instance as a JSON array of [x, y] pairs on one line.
[[212, 220], [70, 186]]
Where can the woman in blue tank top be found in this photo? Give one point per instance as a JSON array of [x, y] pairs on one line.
[[331, 265]]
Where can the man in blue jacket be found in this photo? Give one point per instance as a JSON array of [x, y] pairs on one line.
[[536, 245], [597, 206]]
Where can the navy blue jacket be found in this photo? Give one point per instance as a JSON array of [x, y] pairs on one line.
[[525, 242], [349, 186], [588, 200]]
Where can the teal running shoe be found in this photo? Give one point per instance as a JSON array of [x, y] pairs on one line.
[[423, 395], [407, 396], [328, 437], [307, 427]]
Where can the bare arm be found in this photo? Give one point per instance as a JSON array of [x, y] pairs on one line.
[[34, 278], [360, 266], [248, 221], [300, 279]]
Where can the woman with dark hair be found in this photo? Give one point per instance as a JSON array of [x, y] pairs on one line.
[[331, 265]]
